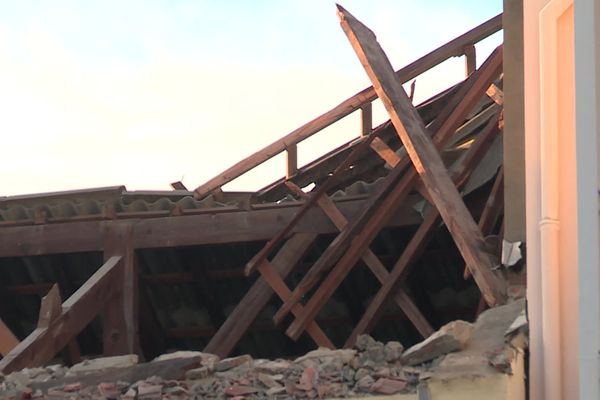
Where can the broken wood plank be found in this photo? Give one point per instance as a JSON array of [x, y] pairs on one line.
[[121, 320], [375, 265], [385, 152], [495, 94], [425, 157], [8, 340], [451, 49], [178, 186], [378, 210], [77, 312], [238, 322]]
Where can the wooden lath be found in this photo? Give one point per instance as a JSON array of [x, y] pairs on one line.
[[360, 101]]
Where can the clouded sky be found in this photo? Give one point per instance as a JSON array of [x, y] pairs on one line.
[[144, 93]]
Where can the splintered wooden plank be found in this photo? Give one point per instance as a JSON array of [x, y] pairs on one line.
[[8, 340], [77, 312], [375, 265], [361, 232], [425, 157], [280, 288], [121, 322], [224, 341]]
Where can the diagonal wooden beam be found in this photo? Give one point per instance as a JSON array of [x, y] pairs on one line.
[[363, 228], [76, 313], [323, 188], [425, 157], [417, 244], [401, 298], [423, 234], [224, 341], [280, 288]]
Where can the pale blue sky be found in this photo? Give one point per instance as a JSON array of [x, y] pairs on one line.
[[143, 93]]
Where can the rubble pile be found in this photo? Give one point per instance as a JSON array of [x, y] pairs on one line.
[[370, 368]]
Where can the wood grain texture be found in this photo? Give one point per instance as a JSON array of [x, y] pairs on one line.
[[425, 157]]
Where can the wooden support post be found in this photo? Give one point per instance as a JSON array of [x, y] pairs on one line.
[[377, 209], [366, 115], [470, 59], [291, 161], [121, 321], [8, 340], [375, 265], [238, 322], [451, 49], [425, 157], [76, 313]]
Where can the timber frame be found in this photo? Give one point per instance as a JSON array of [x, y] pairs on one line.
[[404, 154]]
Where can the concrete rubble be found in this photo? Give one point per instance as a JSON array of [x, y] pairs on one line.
[[371, 368]]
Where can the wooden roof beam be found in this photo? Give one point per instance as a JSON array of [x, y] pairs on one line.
[[425, 157]]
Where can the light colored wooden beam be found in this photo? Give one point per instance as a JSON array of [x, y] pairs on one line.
[[291, 161], [470, 59], [425, 158]]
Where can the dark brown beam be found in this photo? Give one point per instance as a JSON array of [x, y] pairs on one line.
[[238, 322], [188, 230], [8, 340], [375, 265]]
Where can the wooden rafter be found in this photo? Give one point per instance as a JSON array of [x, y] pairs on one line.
[[422, 236], [425, 157], [75, 314], [401, 298], [224, 341]]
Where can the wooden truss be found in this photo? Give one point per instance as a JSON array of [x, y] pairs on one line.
[[112, 291]]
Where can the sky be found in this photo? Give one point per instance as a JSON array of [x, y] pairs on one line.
[[143, 93]]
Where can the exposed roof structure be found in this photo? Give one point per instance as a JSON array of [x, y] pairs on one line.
[[365, 251]]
